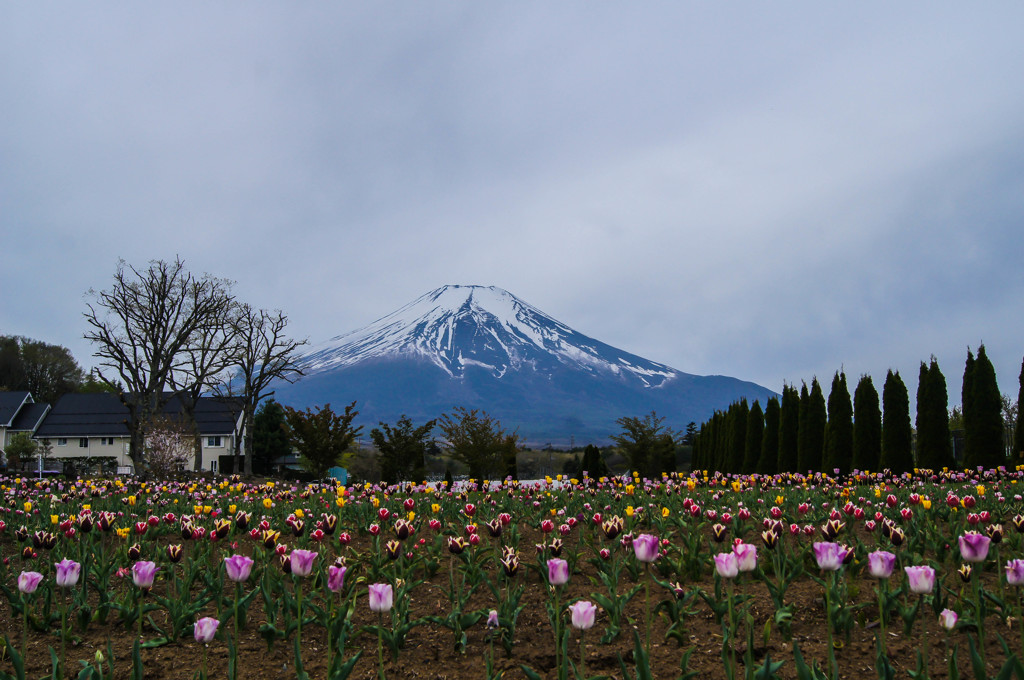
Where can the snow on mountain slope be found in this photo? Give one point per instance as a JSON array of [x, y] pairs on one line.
[[486, 327]]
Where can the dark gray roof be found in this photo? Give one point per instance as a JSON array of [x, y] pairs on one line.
[[103, 415], [29, 417], [10, 403]]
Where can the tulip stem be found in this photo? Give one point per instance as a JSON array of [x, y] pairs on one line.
[[732, 633], [647, 604], [926, 674], [24, 627], [979, 614], [882, 591], [583, 657], [234, 666], [380, 645], [298, 595], [828, 625], [64, 635]]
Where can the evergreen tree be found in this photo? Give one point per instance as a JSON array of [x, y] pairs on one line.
[[593, 464], [934, 451], [1018, 430], [967, 409], [769, 460], [867, 426], [753, 439], [839, 447], [269, 439], [789, 429], [402, 449], [737, 436], [988, 444], [897, 436], [811, 436]]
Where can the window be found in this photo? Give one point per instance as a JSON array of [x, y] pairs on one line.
[[62, 441], [107, 441], [83, 442], [213, 441]]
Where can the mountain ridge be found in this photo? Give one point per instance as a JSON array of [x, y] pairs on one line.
[[482, 347]]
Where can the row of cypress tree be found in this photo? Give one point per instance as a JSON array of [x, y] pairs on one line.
[[801, 432]]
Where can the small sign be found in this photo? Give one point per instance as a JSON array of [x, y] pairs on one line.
[[124, 469]]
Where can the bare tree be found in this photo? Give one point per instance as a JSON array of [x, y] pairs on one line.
[[147, 329], [264, 355]]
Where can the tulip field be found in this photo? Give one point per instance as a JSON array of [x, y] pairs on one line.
[[692, 575]]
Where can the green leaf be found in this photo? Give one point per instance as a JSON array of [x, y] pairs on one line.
[[530, 673], [768, 669]]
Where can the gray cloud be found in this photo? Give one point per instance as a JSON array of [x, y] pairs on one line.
[[764, 192]]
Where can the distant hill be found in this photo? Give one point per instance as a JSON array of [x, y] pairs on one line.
[[482, 347]]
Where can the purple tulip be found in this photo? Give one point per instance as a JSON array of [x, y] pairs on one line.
[[492, 619], [948, 619], [881, 564], [144, 573], [558, 572], [28, 581], [68, 572], [829, 556], [1015, 572], [746, 556], [238, 567], [645, 546], [205, 629], [727, 565], [381, 597], [335, 578], [921, 579], [302, 561], [583, 614], [974, 546]]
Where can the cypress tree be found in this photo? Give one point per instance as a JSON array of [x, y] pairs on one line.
[[967, 408], [737, 416], [933, 446], [1018, 430], [811, 437], [839, 447], [867, 426], [754, 439], [897, 436], [769, 460], [989, 446], [789, 429]]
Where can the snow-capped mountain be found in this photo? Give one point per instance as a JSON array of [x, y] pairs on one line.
[[458, 326], [482, 347]]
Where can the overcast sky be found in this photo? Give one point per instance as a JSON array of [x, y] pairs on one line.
[[770, 191]]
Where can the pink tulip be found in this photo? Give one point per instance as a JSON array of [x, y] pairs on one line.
[[727, 565], [558, 572], [492, 619], [68, 572], [921, 579], [948, 619], [28, 581], [645, 546], [302, 562], [381, 597], [583, 614], [1015, 572], [974, 547], [746, 556], [144, 573], [238, 567], [881, 563], [335, 578], [829, 556], [205, 629]]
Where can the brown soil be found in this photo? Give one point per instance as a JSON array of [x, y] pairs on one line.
[[429, 650]]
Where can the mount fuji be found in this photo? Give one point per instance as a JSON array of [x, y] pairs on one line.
[[482, 347]]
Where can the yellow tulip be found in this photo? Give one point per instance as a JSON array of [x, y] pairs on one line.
[[54, 519], [629, 511], [926, 503], [665, 512], [299, 513], [232, 509], [267, 503], [28, 506]]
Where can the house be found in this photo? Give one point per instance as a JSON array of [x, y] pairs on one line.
[[91, 430], [18, 413]]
